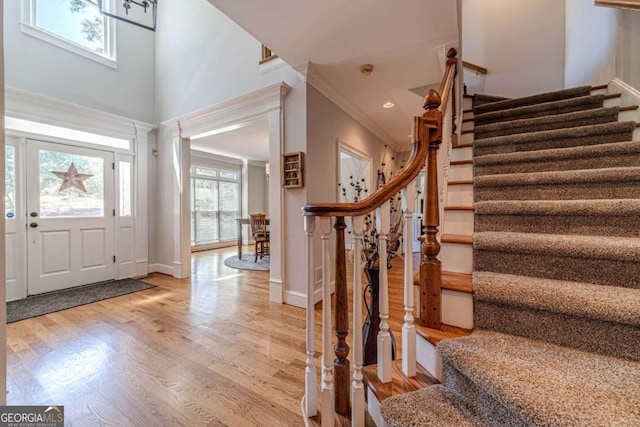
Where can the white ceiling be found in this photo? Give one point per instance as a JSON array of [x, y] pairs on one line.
[[397, 36], [250, 141]]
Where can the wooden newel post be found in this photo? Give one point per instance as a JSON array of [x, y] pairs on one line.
[[430, 267], [341, 366]]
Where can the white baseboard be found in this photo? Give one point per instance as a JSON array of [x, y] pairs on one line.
[[297, 299], [160, 268], [275, 290]]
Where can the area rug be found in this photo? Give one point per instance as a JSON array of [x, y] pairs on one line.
[[246, 263], [50, 302]]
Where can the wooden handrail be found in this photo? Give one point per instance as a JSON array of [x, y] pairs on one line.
[[474, 67]]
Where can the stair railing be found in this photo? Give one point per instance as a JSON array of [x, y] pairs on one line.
[[430, 265], [342, 392]]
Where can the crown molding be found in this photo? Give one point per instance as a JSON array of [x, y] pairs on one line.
[[328, 90], [239, 109], [25, 105]]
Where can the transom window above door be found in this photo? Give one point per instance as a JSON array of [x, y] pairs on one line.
[[74, 25]]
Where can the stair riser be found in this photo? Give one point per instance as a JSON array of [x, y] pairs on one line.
[[549, 266], [457, 309], [483, 405], [588, 190], [481, 132], [460, 195], [596, 336], [603, 225], [621, 160], [612, 102], [373, 407], [457, 258], [428, 357], [466, 138], [463, 153], [467, 126], [458, 222], [467, 103], [480, 150], [537, 111], [628, 116], [461, 172]]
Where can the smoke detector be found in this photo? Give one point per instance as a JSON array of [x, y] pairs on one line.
[[366, 69]]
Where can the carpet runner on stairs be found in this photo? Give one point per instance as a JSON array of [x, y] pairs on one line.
[[556, 273]]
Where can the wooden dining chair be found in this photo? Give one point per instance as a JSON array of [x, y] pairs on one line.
[[260, 234]]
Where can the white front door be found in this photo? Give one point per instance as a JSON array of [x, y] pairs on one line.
[[70, 216]]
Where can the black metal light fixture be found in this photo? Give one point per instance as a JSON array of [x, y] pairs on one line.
[[127, 12]]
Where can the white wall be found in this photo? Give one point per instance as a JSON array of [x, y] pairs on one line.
[[326, 125], [520, 42], [36, 66], [3, 308], [255, 183], [628, 51], [590, 37]]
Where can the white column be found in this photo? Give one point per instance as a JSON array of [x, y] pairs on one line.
[[276, 205], [327, 392], [182, 210], [357, 386], [310, 382], [383, 218], [141, 202], [408, 328]]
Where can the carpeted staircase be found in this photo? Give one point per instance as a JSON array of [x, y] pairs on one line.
[[556, 273]]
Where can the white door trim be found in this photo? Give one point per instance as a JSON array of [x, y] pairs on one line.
[[268, 101]]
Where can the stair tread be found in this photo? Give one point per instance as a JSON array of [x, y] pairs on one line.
[[467, 120], [433, 406], [589, 207], [586, 388], [599, 87], [463, 145], [600, 247], [464, 132], [534, 99], [434, 336], [457, 238], [549, 122], [458, 208], [541, 115], [459, 282], [598, 150], [604, 303], [399, 384], [613, 96], [461, 162], [629, 108], [461, 182], [620, 174]]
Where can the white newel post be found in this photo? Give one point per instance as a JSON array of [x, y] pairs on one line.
[[383, 218], [327, 392], [408, 329], [357, 386], [310, 383]]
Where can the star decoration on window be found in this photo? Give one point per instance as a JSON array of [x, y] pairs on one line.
[[72, 179]]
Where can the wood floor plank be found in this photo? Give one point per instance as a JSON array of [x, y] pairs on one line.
[[209, 350]]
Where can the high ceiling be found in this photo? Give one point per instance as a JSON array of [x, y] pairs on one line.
[[397, 36]]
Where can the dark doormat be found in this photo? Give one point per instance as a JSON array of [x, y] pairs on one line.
[[50, 302]]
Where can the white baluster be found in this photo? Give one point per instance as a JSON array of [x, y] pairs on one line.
[[310, 380], [383, 217], [357, 386], [327, 392], [408, 328]]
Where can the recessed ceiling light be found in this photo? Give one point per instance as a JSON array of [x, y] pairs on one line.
[[388, 104]]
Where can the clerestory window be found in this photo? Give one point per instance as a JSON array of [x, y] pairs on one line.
[[74, 25]]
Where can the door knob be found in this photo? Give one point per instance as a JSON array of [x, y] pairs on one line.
[[33, 225], [34, 214]]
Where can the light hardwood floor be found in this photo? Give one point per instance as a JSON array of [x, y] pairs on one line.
[[206, 351]]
